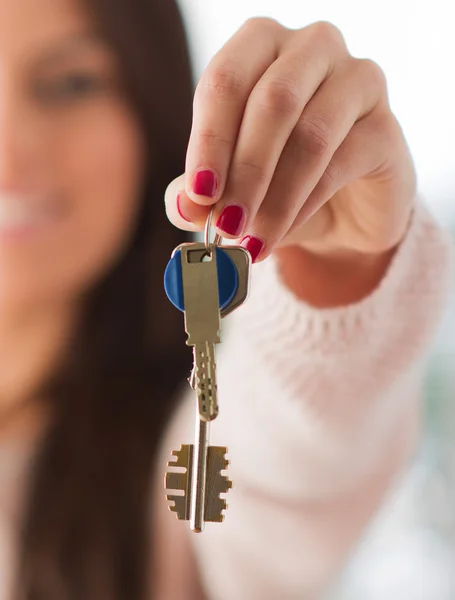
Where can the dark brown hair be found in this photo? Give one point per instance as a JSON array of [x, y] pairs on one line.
[[86, 527]]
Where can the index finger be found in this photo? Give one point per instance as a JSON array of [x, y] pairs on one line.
[[219, 103]]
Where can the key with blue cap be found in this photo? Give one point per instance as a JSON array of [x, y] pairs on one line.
[[206, 282], [206, 290]]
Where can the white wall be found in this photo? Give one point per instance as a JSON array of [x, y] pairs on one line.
[[412, 40]]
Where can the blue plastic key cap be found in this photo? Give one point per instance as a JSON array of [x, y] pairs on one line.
[[228, 279]]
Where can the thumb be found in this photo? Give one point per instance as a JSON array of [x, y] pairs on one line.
[[181, 210]]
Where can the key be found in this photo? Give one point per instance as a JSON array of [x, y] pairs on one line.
[[202, 289], [202, 481], [242, 262]]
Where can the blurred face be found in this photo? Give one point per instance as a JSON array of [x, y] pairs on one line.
[[71, 154]]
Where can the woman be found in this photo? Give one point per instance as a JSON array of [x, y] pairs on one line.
[[318, 372]]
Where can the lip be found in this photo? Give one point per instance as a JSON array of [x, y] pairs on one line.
[[17, 232], [26, 230]]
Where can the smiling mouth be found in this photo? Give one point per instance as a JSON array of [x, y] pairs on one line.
[[23, 214]]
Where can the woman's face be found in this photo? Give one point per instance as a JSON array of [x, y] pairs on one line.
[[71, 154]]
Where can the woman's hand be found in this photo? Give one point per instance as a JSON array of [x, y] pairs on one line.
[[302, 144]]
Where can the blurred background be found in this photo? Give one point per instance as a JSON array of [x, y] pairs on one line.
[[409, 553]]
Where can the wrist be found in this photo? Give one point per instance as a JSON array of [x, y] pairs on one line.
[[333, 278]]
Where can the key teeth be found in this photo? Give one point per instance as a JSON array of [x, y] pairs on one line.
[[215, 514], [222, 484], [179, 481], [179, 507], [217, 483], [180, 458], [175, 481], [172, 507]]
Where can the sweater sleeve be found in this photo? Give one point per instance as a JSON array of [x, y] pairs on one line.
[[319, 409]]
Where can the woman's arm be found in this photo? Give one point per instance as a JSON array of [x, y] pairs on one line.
[[320, 411], [330, 280]]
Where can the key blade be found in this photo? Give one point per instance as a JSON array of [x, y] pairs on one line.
[[204, 380], [180, 481], [217, 484]]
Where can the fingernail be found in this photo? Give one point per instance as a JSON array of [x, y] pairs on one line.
[[179, 208], [205, 183], [231, 220], [253, 244]]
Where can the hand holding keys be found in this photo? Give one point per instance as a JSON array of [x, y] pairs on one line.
[[206, 282]]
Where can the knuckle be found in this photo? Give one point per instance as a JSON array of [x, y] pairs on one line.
[[327, 32], [392, 130], [261, 22], [224, 81], [213, 138], [280, 95], [315, 134], [251, 170], [384, 126], [371, 73]]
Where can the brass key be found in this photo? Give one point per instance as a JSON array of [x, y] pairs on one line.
[[202, 321], [202, 482], [202, 324], [242, 261]]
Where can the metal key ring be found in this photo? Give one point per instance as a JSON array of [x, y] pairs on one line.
[[217, 239]]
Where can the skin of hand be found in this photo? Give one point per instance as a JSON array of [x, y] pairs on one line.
[[298, 133]]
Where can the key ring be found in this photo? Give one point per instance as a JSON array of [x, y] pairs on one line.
[[217, 239]]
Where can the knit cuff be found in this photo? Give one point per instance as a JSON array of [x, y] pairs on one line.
[[416, 280]]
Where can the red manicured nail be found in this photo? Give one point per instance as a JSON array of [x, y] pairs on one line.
[[179, 195], [205, 183], [253, 244], [231, 220]]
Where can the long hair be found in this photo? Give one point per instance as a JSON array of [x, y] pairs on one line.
[[86, 525]]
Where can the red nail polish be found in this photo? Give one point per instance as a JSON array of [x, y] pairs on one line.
[[253, 244], [205, 183], [232, 220], [180, 210]]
